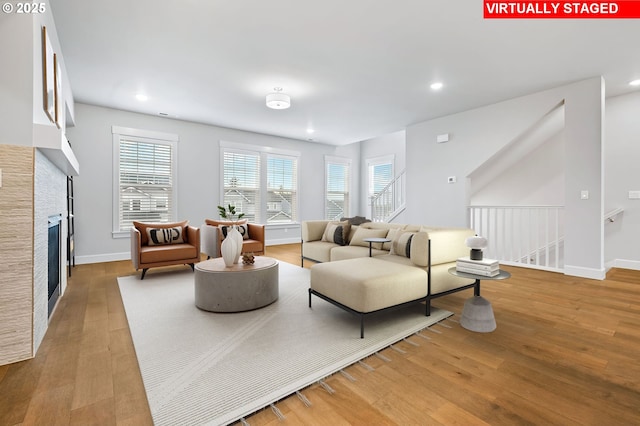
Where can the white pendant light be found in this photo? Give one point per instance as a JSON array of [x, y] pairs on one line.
[[278, 100]]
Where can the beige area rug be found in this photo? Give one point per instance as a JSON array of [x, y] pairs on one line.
[[205, 368]]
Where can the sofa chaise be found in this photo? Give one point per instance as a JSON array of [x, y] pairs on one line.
[[412, 267]]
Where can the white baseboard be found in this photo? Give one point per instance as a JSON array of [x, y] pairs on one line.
[[100, 258], [626, 264], [282, 241], [113, 257], [591, 273]]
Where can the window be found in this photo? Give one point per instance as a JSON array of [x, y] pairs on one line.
[[144, 178], [260, 182], [380, 173], [282, 189], [337, 187], [241, 183]]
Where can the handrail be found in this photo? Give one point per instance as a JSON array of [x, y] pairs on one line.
[[390, 201], [386, 188], [613, 213]]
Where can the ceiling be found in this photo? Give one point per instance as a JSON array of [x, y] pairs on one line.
[[354, 69]]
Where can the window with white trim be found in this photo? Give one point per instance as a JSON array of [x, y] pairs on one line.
[[337, 184], [282, 188], [260, 182], [241, 182], [144, 178], [380, 174]]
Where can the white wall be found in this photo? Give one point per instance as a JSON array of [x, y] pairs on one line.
[[16, 79], [390, 144], [46, 20], [478, 135], [537, 180], [198, 175], [475, 137], [622, 174]]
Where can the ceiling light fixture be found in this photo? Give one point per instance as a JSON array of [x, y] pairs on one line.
[[436, 86], [141, 97], [635, 83], [310, 130], [278, 100]]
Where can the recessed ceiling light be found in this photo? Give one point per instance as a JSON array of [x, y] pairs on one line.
[[141, 97], [310, 130], [635, 83], [436, 86]]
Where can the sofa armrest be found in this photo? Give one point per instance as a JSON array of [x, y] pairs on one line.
[[448, 244], [193, 237], [135, 247], [210, 240], [312, 230]]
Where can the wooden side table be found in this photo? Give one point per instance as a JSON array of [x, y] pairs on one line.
[[477, 314]]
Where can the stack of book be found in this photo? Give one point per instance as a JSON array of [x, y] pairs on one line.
[[485, 267]]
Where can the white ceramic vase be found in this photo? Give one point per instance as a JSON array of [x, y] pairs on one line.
[[229, 250], [237, 237]]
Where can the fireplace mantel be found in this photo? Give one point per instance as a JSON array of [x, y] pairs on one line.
[[53, 144]]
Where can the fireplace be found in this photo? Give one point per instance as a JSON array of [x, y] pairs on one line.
[[53, 264]]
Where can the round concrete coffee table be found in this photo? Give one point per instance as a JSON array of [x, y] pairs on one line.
[[237, 288]]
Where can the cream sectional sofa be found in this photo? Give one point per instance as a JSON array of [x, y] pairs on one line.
[[428, 249]]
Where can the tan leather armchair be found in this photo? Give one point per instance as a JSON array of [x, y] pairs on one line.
[[147, 254], [212, 238]]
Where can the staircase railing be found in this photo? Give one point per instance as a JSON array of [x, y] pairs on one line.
[[531, 236], [613, 214], [391, 201]]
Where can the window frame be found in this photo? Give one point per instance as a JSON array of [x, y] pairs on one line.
[[342, 161], [264, 153], [145, 136], [377, 161]]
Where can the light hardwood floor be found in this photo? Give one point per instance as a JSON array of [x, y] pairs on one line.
[[565, 352]]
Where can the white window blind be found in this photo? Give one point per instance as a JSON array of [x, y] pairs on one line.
[[241, 183], [337, 188], [282, 189], [146, 182], [144, 178]]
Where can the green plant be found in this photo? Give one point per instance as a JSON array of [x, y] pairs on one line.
[[229, 213]]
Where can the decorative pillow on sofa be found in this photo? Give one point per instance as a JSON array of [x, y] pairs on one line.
[[391, 235], [401, 244], [161, 236], [362, 233], [144, 235], [337, 233], [243, 229]]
